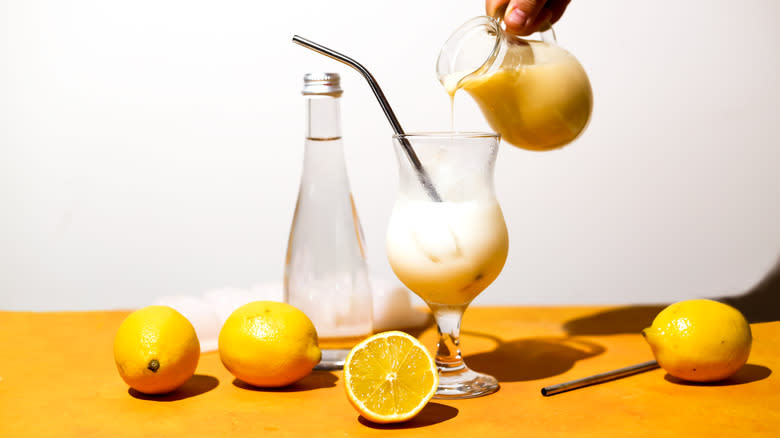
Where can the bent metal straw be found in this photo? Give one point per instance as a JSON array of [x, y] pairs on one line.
[[380, 96]]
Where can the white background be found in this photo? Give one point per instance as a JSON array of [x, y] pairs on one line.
[[152, 148]]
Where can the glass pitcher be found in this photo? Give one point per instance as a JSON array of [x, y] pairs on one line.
[[534, 93]]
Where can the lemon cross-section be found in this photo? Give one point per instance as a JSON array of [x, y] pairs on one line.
[[390, 377]]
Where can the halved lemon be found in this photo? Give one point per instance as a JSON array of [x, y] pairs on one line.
[[390, 377]]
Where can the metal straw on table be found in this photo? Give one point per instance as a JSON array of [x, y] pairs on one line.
[[599, 378], [380, 96]]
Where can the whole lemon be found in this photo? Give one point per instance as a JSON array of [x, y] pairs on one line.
[[700, 340], [269, 344], [156, 350]]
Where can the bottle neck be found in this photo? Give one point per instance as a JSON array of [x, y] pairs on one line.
[[323, 118]]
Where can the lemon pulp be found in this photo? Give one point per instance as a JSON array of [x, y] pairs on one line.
[[390, 377]]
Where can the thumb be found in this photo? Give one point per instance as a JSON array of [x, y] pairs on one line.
[[521, 15]]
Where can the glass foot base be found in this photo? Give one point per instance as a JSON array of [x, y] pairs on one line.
[[332, 359], [465, 383]]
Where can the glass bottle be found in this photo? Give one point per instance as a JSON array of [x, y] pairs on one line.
[[325, 269]]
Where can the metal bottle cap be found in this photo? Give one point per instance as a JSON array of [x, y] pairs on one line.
[[323, 84]]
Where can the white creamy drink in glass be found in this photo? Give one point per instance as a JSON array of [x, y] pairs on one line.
[[447, 252], [448, 247]]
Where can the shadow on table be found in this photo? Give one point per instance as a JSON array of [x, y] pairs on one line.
[[531, 358], [431, 414], [196, 385], [762, 302], [315, 380], [748, 373], [629, 319], [759, 304], [417, 331]]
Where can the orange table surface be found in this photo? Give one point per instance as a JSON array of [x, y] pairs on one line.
[[58, 379]]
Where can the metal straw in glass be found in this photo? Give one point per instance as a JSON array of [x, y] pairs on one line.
[[380, 96]]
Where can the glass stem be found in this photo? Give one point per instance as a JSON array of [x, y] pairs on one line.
[[448, 357]]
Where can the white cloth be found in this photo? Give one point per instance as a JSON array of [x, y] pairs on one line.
[[392, 307]]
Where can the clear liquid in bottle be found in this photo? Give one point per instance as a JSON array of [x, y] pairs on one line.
[[326, 275]]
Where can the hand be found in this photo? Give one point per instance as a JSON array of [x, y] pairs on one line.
[[524, 17]]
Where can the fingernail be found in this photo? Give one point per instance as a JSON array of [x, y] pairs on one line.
[[516, 19]]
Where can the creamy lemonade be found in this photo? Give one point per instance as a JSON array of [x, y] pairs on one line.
[[446, 238], [541, 100], [447, 252]]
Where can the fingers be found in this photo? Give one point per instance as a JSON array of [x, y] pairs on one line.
[[558, 7], [492, 7], [524, 17], [540, 22]]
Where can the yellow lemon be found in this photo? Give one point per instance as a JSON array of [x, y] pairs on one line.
[[269, 344], [390, 377], [156, 350], [700, 340]]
